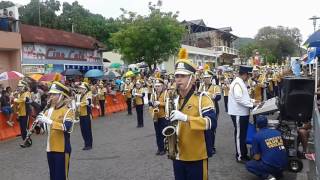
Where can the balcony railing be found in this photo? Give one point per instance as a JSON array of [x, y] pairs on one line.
[[225, 49]]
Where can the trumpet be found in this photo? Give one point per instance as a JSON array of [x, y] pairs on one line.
[[170, 132]]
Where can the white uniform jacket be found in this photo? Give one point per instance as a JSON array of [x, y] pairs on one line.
[[239, 102]]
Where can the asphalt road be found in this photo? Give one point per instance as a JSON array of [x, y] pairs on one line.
[[121, 152]]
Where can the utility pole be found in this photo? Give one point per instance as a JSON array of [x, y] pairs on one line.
[[314, 21], [39, 13]]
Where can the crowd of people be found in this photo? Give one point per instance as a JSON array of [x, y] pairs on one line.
[[183, 105]]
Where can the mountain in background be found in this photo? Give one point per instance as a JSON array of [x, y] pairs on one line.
[[242, 41]]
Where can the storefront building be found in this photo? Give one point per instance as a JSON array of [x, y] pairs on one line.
[[48, 50]]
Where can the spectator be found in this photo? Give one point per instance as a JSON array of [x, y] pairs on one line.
[[36, 100], [12, 20], [303, 135], [4, 21], [5, 107]]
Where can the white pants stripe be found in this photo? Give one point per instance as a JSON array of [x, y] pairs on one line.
[[238, 137]]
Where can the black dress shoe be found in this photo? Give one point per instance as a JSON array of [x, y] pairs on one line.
[[86, 148], [23, 145], [214, 151], [158, 153], [161, 153]]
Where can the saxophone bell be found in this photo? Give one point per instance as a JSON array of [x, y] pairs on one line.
[[169, 131], [156, 110]]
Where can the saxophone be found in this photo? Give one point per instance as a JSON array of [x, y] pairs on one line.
[[170, 132], [35, 128]]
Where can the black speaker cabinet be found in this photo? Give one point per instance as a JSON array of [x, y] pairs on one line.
[[296, 101]]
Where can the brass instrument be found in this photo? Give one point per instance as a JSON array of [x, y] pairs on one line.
[[170, 132], [35, 127]]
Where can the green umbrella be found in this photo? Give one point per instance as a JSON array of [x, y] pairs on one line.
[[115, 65]]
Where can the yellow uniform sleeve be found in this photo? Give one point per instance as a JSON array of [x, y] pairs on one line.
[[203, 121]]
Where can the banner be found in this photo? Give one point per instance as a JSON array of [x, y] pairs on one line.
[[32, 69], [48, 52]]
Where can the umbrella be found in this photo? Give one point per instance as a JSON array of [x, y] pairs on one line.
[[111, 75], [115, 65], [94, 73], [143, 65], [36, 77], [129, 74], [71, 72], [9, 75], [313, 40], [51, 77], [118, 82]]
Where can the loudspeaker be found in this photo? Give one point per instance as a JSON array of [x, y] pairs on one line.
[[296, 100]]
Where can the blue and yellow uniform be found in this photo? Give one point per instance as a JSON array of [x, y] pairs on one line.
[[268, 150], [160, 121], [23, 108], [196, 132], [196, 116], [58, 141], [127, 91], [85, 116], [138, 99], [59, 120], [102, 97]]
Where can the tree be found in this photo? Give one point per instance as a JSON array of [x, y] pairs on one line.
[[6, 4], [95, 25], [279, 42], [29, 14], [152, 38]]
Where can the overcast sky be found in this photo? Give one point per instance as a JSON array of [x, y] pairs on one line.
[[244, 16]]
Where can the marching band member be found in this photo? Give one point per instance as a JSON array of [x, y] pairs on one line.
[[84, 108], [225, 83], [239, 104], [102, 97], [22, 101], [268, 78], [138, 93], [194, 124], [276, 81], [149, 87], [257, 85], [127, 92], [158, 107], [215, 93], [59, 120]]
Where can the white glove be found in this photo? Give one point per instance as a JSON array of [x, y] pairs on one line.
[[77, 103], [156, 103], [139, 95], [44, 119], [15, 99], [178, 115], [213, 96]]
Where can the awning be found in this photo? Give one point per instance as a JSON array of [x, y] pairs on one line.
[[81, 67]]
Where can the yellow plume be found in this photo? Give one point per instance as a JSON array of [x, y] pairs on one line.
[[86, 80], [206, 67], [157, 75], [57, 77], [183, 54]]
